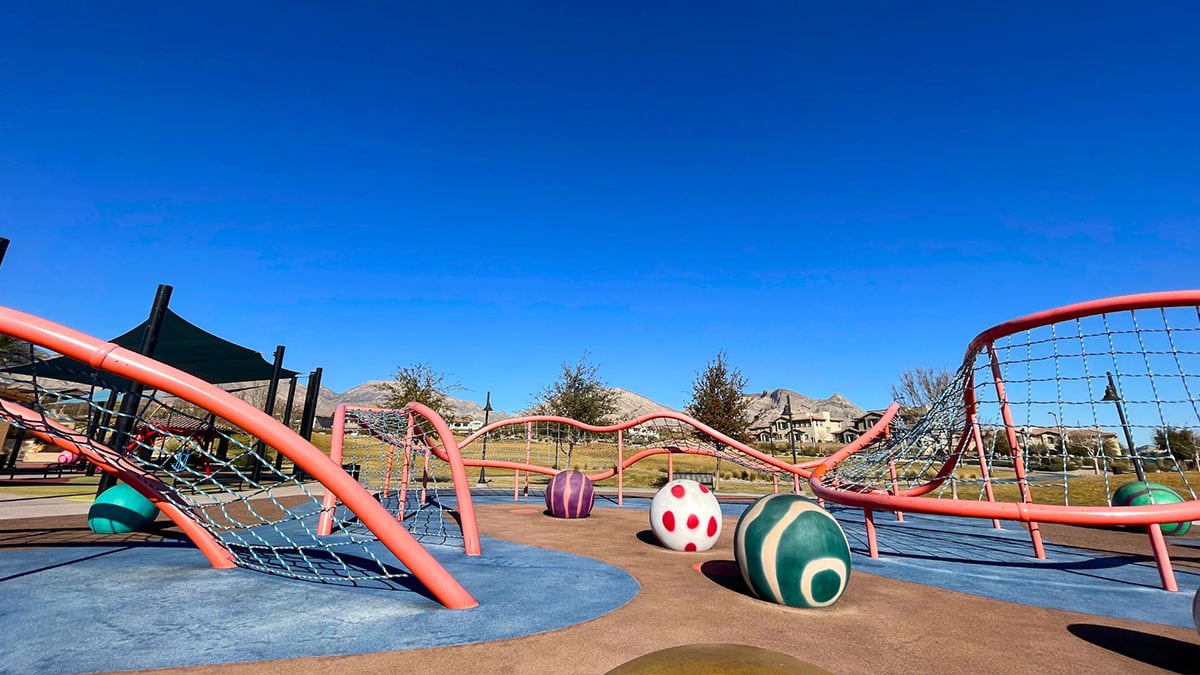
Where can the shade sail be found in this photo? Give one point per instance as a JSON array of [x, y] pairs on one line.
[[181, 344]]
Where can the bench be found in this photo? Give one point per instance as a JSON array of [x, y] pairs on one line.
[[706, 479]]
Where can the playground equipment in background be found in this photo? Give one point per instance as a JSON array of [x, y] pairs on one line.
[[268, 523], [394, 455], [1038, 401]]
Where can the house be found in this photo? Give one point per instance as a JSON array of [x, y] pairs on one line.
[[859, 426], [807, 428], [465, 426]]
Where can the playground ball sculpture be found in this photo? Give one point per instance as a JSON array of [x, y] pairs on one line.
[[570, 495], [792, 552], [1145, 493], [119, 510], [685, 516], [1196, 610]]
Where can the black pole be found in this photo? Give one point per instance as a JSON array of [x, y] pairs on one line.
[[10, 462], [787, 409], [269, 408], [3, 249], [133, 396], [1111, 394], [487, 411], [310, 412], [287, 418]]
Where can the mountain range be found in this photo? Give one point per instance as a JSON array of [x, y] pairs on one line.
[[764, 406]]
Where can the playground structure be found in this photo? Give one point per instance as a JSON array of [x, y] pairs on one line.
[[1040, 404], [1104, 372], [210, 461]]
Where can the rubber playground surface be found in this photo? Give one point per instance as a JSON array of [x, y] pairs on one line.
[[584, 596]]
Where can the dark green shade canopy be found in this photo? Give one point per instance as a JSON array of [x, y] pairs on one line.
[[181, 344]]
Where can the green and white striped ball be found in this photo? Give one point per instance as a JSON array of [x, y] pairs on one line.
[[1145, 493], [792, 552]]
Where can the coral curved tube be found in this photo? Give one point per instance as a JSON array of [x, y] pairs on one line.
[[130, 365]]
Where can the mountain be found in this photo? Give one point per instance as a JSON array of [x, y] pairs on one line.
[[631, 405], [764, 406], [769, 405]]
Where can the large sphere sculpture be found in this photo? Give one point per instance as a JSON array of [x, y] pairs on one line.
[[121, 509], [685, 516], [1196, 610], [792, 552], [570, 495], [1145, 493]]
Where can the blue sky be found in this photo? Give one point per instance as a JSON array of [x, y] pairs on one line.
[[830, 194]]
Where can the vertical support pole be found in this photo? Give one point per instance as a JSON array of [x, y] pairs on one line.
[[10, 464], [795, 483], [406, 463], [528, 448], [269, 408], [983, 467], [1162, 557], [895, 488], [670, 466], [775, 483], [620, 467], [310, 412], [872, 540], [3, 248], [1014, 446], [287, 418], [133, 395]]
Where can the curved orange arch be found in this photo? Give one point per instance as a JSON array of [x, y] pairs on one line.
[[115, 359]]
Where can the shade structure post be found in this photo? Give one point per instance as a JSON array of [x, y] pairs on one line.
[[133, 395]]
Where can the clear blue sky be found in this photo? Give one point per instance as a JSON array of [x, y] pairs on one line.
[[829, 192]]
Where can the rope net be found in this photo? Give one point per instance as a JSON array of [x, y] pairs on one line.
[[1060, 412], [391, 453], [550, 444], [257, 505]]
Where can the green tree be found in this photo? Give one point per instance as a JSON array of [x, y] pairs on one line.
[[577, 394], [1181, 442], [719, 400], [420, 383]]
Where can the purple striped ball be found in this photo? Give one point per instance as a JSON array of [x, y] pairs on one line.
[[570, 495]]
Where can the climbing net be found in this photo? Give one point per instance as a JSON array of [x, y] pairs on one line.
[[1061, 407], [550, 444], [394, 454], [212, 475]]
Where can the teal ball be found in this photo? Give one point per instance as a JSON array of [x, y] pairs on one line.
[[1145, 493], [792, 552], [119, 510]]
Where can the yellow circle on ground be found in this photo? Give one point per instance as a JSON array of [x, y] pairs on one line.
[[717, 659]]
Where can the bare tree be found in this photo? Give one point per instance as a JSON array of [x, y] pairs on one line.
[[918, 388]]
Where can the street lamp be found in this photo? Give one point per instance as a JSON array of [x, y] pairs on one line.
[[1111, 394], [787, 412], [487, 411]]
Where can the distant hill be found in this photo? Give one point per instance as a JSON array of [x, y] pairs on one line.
[[764, 406]]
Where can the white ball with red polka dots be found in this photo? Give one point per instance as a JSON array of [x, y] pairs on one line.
[[685, 516]]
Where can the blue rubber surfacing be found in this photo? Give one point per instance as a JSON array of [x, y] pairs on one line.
[[87, 609]]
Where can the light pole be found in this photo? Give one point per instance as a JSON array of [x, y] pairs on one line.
[[1111, 394], [487, 411], [787, 412]]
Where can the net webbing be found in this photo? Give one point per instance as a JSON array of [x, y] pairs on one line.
[[243, 492], [1089, 403]]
